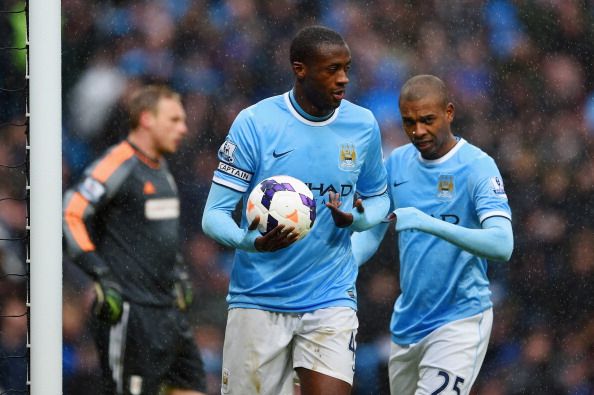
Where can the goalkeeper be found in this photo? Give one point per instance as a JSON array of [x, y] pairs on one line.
[[121, 226]]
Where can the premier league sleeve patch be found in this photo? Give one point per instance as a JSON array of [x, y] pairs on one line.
[[92, 190], [497, 187], [227, 151]]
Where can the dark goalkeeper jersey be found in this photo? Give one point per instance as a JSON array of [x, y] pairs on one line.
[[126, 210]]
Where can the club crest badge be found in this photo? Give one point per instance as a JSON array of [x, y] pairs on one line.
[[347, 157], [445, 186]]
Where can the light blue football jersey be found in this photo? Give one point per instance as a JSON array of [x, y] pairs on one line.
[[340, 154], [440, 282]]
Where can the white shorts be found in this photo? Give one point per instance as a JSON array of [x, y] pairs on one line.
[[263, 348], [447, 361]]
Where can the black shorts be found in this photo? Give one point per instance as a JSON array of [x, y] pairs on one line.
[[148, 348]]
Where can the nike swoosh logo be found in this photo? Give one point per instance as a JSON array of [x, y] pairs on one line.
[[278, 155], [396, 184]]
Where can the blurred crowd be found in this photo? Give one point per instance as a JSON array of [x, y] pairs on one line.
[[520, 72]]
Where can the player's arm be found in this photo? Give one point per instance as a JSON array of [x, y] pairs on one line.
[[365, 213], [372, 211], [78, 209], [83, 203], [366, 243], [218, 223], [493, 241]]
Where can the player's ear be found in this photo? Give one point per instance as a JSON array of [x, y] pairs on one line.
[[450, 110], [298, 69], [146, 119]]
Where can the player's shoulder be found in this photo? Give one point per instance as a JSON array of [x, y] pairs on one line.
[[123, 148], [356, 111], [118, 153], [403, 152], [117, 158], [264, 112], [474, 154], [264, 106], [106, 174]]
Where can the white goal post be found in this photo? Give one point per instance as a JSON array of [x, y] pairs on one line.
[[45, 216]]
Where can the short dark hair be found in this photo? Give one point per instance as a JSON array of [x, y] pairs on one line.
[[308, 40], [423, 85], [147, 99]]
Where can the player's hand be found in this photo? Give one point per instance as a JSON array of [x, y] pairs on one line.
[[278, 238], [341, 218], [109, 303], [183, 288], [407, 218], [391, 217]]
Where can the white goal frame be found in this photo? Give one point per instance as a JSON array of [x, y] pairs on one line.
[[45, 216]]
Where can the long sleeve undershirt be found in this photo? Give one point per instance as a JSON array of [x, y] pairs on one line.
[[375, 209], [493, 241], [218, 223]]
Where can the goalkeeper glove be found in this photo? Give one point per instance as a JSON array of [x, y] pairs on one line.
[[182, 287], [109, 304]]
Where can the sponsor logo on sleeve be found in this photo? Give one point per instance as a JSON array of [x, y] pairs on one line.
[[92, 190]]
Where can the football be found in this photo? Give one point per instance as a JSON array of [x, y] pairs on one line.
[[282, 200]]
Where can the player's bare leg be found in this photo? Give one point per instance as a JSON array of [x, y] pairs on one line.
[[177, 391], [314, 383]]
